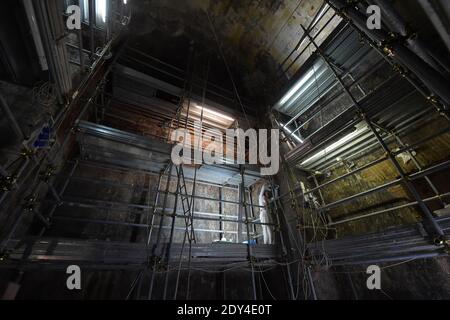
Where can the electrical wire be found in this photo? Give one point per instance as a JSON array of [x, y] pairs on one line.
[[236, 92], [45, 95], [267, 287]]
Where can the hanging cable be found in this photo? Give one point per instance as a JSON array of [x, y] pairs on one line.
[[236, 92]]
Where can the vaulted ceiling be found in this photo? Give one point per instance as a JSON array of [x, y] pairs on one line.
[[257, 36]]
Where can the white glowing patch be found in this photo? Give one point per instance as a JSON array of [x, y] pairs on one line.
[[291, 134], [297, 86], [86, 10], [334, 146], [212, 113], [101, 9]]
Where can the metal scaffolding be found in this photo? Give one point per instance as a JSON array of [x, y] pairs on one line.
[[103, 148], [97, 136], [384, 123]]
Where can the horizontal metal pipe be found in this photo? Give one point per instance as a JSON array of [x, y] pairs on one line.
[[137, 225], [183, 73], [391, 247], [195, 197], [362, 194], [294, 157], [77, 47], [390, 136], [365, 167], [430, 170], [347, 110], [414, 176], [113, 206], [421, 141], [335, 96], [410, 204], [398, 132], [390, 259], [118, 168]]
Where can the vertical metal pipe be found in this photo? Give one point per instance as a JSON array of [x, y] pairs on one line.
[[252, 210], [282, 243], [48, 42], [172, 231], [322, 199], [177, 282], [158, 237], [192, 235], [433, 226], [189, 231], [220, 212], [240, 215], [92, 28], [194, 185], [249, 249], [155, 205], [31, 15], [419, 167], [188, 285], [109, 14], [80, 44], [311, 281]]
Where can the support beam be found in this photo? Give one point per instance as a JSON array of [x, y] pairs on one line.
[[430, 223], [92, 29], [249, 245], [430, 77]]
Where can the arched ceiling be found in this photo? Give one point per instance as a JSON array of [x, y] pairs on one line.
[[257, 36]]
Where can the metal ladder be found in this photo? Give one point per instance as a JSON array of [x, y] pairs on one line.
[[187, 205]]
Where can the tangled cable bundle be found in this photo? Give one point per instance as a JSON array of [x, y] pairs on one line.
[[44, 95]]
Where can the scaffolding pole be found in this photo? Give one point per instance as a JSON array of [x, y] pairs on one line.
[[243, 207], [433, 228]]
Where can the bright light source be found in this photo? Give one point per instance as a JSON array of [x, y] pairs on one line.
[[210, 112], [297, 86], [86, 10], [101, 9], [124, 1], [320, 15], [318, 73], [300, 45], [335, 145], [291, 134]]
